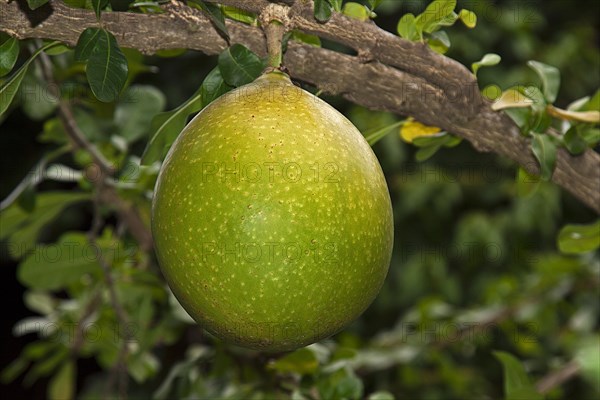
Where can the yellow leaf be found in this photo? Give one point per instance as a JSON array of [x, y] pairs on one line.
[[413, 129], [583, 116], [468, 18], [512, 98]]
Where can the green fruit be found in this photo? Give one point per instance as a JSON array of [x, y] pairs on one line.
[[271, 218]]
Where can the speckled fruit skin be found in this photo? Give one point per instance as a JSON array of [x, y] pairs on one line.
[[271, 218]]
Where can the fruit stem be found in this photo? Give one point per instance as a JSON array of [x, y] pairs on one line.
[[274, 20], [274, 32]]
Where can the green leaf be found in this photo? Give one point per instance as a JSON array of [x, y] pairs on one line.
[[33, 4], [162, 392], [38, 350], [550, 77], [439, 42], [588, 357], [23, 228], [322, 10], [578, 104], [336, 4], [213, 87], [525, 394], [350, 387], [57, 50], [135, 110], [374, 136], [53, 267], [167, 126], [593, 104], [27, 199], [342, 384], [521, 117], [574, 143], [297, 395], [98, 6], [215, 15], [381, 396], [452, 141], [306, 38], [430, 145], [136, 64], [527, 184], [193, 354], [544, 150], [239, 15], [469, 18], [435, 15], [143, 366], [589, 134], [39, 302], [9, 52], [426, 153], [86, 43], [14, 369], [239, 65], [169, 53], [107, 68], [302, 361], [78, 3], [538, 102], [449, 20], [488, 60], [576, 239], [11, 86], [62, 384], [47, 366], [37, 102], [516, 382], [356, 11], [93, 128], [373, 4], [407, 28], [439, 139]]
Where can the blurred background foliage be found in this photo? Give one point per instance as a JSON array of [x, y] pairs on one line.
[[475, 269]]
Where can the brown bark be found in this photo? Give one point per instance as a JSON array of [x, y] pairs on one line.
[[388, 74]]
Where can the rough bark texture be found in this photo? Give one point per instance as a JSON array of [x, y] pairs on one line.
[[388, 74]]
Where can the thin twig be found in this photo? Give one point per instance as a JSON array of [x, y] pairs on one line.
[[128, 214], [119, 371], [557, 378], [90, 309], [68, 119], [138, 229]]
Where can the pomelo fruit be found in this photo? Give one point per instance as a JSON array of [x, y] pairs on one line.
[[271, 218]]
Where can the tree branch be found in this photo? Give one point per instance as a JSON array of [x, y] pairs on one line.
[[407, 78], [108, 194]]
